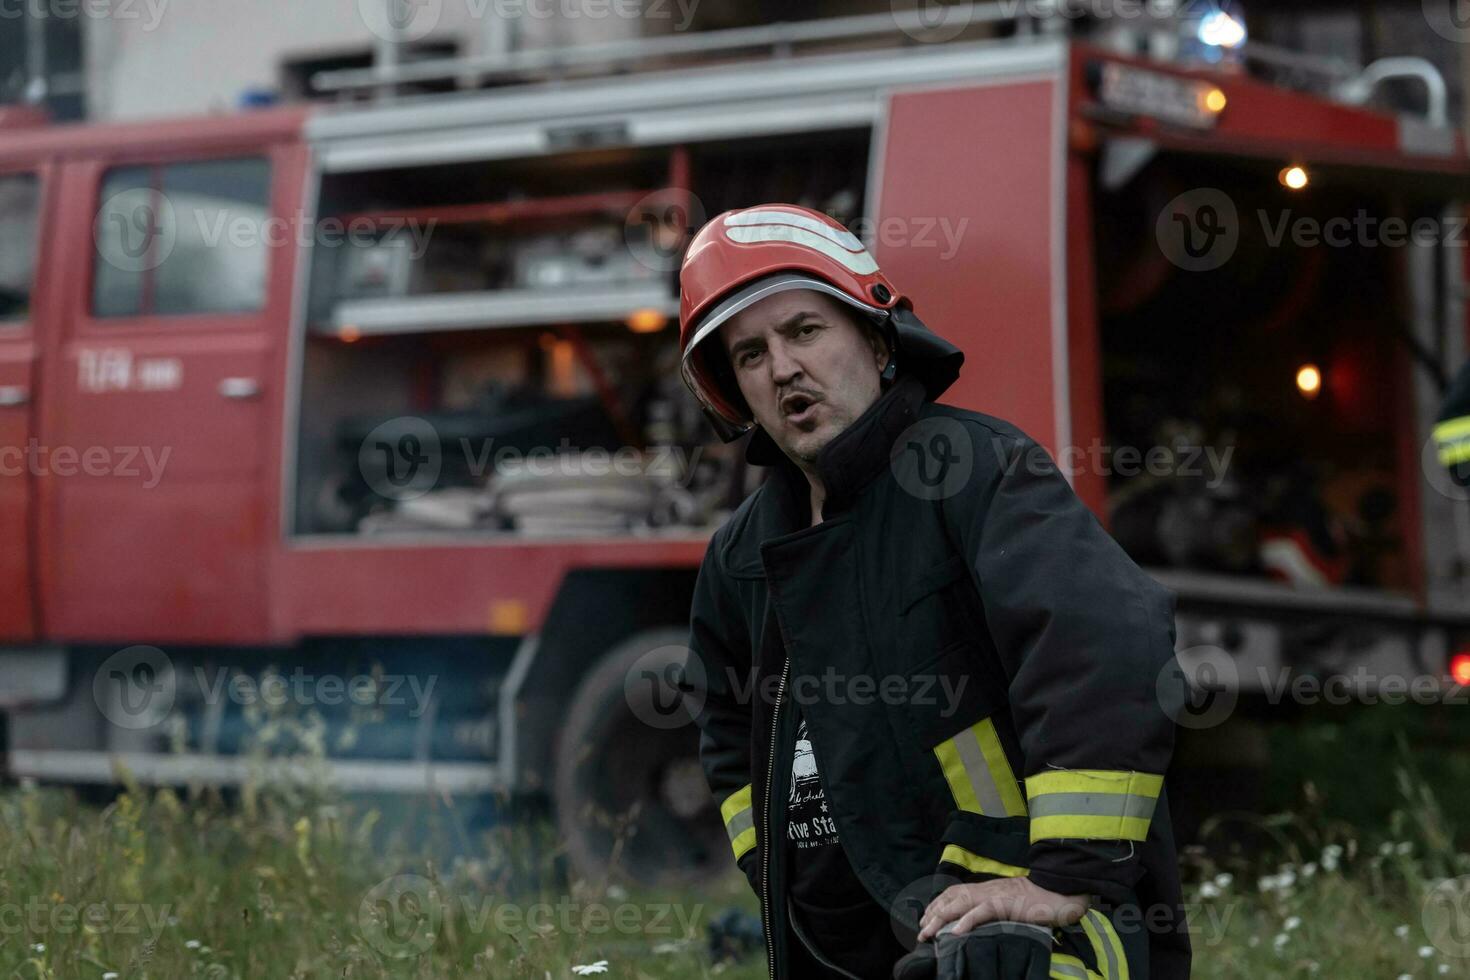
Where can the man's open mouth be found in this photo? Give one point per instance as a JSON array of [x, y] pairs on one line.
[[797, 407]]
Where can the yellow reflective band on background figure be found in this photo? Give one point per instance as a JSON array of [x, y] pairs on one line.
[[1105, 945], [1092, 804], [978, 773], [970, 861], [739, 821], [1453, 439], [1064, 967]]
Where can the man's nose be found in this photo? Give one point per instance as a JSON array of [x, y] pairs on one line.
[[784, 367]]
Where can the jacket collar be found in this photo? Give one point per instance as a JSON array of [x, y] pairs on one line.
[[847, 464]]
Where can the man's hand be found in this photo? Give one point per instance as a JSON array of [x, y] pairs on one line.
[[1008, 899]]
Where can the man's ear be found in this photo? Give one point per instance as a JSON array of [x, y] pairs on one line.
[[882, 352]]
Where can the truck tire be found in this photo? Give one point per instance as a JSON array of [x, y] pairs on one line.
[[631, 799]]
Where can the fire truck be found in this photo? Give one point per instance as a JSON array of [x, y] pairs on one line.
[[379, 400]]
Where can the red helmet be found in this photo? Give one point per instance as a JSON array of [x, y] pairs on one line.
[[743, 256]]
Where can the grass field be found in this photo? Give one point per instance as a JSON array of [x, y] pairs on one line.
[[293, 883]]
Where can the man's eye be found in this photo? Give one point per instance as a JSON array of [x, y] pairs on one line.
[[805, 329], [747, 357]]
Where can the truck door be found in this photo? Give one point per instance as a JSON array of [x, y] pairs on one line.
[[21, 193], [166, 395], [979, 251]]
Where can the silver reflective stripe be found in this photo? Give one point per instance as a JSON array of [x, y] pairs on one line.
[[740, 823], [1104, 940], [1091, 805], [979, 773], [1068, 970]]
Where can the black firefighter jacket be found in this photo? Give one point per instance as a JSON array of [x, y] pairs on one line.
[[981, 669]]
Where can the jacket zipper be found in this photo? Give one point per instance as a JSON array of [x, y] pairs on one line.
[[771, 838]]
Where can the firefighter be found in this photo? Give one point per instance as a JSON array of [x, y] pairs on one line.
[[932, 692], [1452, 429]]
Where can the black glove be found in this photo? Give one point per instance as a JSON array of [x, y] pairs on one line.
[[994, 951]]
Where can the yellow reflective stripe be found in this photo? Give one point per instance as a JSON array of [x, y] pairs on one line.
[[1096, 804], [1452, 429], [735, 802], [1089, 828], [1095, 781], [1451, 453], [743, 843], [1105, 945], [1064, 967], [739, 820], [954, 774], [970, 861], [978, 773]]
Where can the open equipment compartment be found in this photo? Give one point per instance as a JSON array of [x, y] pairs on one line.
[[1272, 381], [489, 346]]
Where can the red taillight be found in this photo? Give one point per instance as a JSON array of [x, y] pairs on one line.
[[1460, 668]]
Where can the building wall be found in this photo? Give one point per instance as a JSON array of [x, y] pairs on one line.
[[177, 57]]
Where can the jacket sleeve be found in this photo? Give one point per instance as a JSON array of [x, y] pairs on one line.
[[716, 665], [1083, 634]]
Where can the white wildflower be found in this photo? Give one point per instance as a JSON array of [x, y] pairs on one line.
[[585, 971], [1309, 869], [1404, 848], [1208, 890], [1291, 923], [1281, 940], [1401, 931], [1223, 880], [39, 948], [1426, 952], [191, 944]]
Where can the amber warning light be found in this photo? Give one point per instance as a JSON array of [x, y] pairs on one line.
[[1460, 668]]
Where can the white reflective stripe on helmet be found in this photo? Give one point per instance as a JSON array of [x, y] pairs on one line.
[[841, 236], [857, 260]]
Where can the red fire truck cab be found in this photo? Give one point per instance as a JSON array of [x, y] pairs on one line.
[[380, 401]]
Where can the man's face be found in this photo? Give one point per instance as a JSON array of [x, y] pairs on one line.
[[806, 366]]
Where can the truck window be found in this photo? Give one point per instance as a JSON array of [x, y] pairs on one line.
[[182, 238], [19, 198]]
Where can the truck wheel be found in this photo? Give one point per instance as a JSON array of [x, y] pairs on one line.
[[631, 798]]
